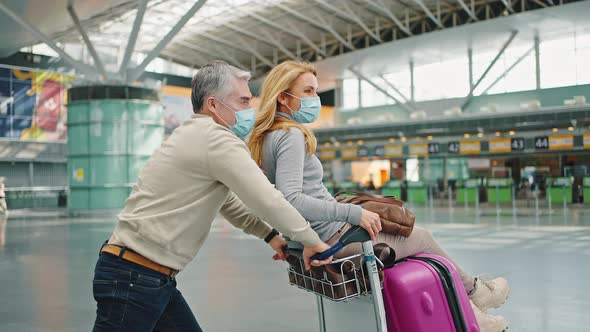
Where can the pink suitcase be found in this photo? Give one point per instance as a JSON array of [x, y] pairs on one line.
[[418, 298]]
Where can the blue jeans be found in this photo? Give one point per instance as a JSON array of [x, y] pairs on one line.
[[131, 297]]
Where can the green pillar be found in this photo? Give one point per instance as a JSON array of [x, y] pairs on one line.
[[112, 132], [500, 190], [560, 190], [417, 192], [467, 190], [392, 188]]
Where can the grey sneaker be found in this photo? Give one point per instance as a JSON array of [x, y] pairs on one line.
[[487, 322], [490, 293]]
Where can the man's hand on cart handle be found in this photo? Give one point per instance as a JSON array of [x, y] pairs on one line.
[[310, 251], [279, 245]]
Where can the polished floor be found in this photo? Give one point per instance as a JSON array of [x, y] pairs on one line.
[[46, 266]]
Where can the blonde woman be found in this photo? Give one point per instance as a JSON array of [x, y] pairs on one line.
[[285, 150]]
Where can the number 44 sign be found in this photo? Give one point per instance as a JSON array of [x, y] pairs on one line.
[[542, 143]]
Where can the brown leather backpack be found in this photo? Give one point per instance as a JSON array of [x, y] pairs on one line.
[[395, 217]]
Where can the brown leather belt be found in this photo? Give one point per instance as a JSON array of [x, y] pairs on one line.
[[138, 259]]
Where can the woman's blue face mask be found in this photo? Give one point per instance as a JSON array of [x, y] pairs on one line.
[[309, 110]]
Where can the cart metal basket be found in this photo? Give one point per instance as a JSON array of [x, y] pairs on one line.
[[344, 288]]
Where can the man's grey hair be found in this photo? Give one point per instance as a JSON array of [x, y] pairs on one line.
[[214, 79]]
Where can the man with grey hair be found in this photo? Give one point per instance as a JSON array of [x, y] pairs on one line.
[[201, 170]]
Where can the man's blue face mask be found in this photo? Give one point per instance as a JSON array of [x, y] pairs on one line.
[[244, 121]]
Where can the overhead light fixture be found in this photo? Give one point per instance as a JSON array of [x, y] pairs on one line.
[[570, 128], [349, 142], [327, 144], [429, 138], [404, 139], [391, 140], [555, 130], [498, 134], [512, 133], [336, 144], [480, 135], [466, 135], [360, 142]]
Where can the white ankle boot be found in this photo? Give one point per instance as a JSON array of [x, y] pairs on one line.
[[487, 322], [490, 294]]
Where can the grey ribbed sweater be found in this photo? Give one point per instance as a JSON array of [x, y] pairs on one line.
[[298, 175]]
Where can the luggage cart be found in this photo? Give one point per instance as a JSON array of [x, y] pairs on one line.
[[345, 292]]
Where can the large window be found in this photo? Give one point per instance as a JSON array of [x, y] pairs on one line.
[[401, 81], [583, 58], [371, 96], [565, 61], [558, 62], [350, 93], [442, 80], [520, 78]]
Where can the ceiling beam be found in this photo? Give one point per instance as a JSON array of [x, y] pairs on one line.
[[348, 14], [133, 36], [83, 68], [316, 21], [87, 41], [135, 73], [429, 13]]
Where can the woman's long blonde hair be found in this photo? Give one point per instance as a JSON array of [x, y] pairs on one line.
[[278, 80]]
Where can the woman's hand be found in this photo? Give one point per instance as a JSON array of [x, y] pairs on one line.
[[371, 222]]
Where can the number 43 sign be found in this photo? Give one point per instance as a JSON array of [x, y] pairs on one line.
[[517, 144]]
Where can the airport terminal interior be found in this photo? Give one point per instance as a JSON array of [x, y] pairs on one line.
[[474, 113]]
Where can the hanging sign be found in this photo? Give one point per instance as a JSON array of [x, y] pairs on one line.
[[470, 147], [561, 142], [327, 154], [394, 150], [349, 152], [420, 149]]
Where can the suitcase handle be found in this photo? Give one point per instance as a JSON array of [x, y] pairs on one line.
[[355, 234]]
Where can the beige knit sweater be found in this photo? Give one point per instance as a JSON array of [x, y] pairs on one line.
[[201, 170]]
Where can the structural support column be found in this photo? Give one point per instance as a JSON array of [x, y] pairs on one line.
[[31, 174], [338, 95], [537, 62], [360, 92], [470, 60], [412, 88]]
